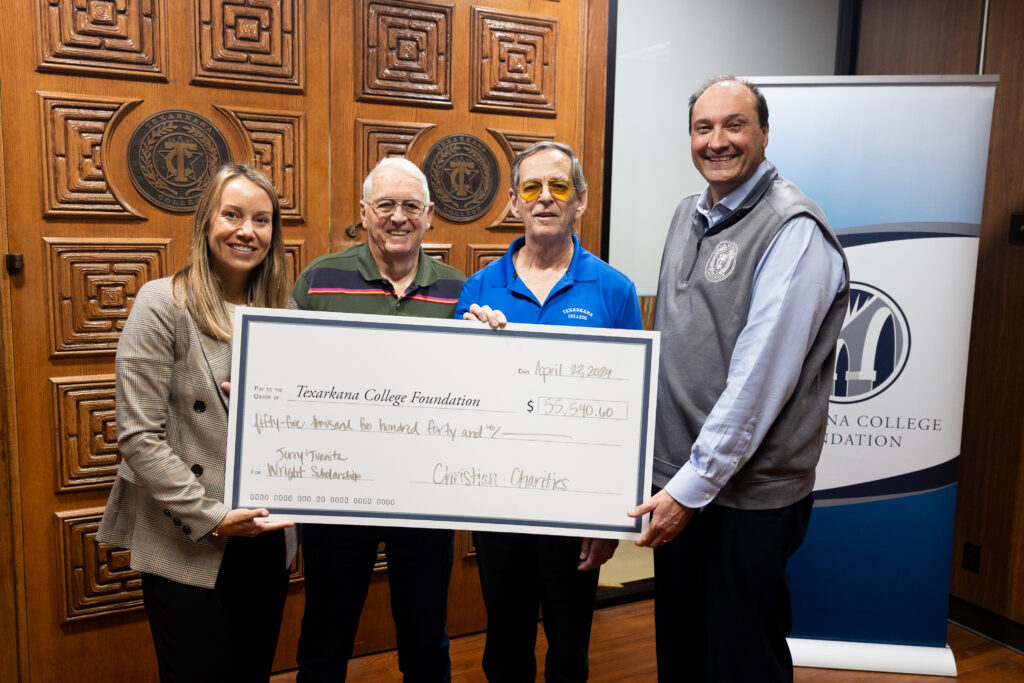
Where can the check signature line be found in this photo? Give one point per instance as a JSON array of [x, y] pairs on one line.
[[518, 488]]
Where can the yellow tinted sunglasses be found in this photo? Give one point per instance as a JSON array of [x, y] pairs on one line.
[[559, 189]]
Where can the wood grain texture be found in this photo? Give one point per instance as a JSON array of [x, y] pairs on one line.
[[480, 255], [14, 646], [647, 304], [62, 313], [75, 148], [591, 118], [84, 432], [941, 37], [389, 124], [91, 287], [376, 140], [512, 69], [125, 39], [277, 146], [990, 501], [918, 37], [256, 44], [622, 649], [405, 52], [96, 578], [295, 253], [256, 70], [441, 252]]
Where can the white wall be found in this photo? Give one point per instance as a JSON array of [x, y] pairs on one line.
[[664, 50]]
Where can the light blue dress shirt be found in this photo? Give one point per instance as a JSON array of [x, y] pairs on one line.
[[794, 285]]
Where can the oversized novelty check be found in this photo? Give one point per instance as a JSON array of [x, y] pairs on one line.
[[394, 421]]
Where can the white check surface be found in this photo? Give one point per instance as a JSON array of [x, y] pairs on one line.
[[412, 422]]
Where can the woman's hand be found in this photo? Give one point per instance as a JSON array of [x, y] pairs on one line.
[[246, 522]]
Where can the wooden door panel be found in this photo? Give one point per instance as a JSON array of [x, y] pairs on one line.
[[507, 72], [314, 93], [79, 77], [506, 76]]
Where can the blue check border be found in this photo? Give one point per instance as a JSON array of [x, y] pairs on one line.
[[249, 320]]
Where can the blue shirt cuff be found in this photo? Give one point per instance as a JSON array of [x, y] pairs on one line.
[[690, 489]]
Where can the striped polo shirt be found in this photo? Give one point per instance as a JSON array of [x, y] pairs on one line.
[[350, 282]]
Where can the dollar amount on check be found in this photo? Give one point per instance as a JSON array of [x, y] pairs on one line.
[[411, 422]]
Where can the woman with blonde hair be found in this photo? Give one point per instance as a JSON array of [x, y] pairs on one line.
[[213, 579]]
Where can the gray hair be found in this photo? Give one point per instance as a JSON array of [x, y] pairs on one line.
[[399, 163], [579, 183], [762, 103]]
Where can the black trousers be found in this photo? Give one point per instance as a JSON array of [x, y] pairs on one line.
[[520, 573], [338, 566], [228, 632], [721, 605]]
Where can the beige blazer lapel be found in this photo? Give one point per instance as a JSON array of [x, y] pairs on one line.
[[218, 357]]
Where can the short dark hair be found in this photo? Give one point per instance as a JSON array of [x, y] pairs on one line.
[[762, 103], [578, 182]]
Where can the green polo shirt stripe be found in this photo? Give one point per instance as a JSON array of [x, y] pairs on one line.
[[350, 282]]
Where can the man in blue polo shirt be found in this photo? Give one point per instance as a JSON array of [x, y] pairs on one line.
[[545, 277]]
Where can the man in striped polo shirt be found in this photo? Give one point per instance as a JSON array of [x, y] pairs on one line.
[[389, 274]]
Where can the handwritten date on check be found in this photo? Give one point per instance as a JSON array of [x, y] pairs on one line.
[[446, 424]]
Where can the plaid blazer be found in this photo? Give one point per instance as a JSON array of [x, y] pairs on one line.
[[172, 423]]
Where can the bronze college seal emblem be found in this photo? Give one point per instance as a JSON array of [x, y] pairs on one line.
[[170, 156], [463, 177]]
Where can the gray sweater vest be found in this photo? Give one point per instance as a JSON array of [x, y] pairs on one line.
[[703, 301]]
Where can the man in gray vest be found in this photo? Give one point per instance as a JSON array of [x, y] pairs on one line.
[[752, 294]]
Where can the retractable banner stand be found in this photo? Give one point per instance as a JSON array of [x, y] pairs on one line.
[[898, 165]]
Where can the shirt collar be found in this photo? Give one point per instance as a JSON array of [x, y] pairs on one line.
[[732, 201], [580, 269], [426, 274]]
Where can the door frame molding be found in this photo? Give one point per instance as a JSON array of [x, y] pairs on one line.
[[13, 616], [594, 95]]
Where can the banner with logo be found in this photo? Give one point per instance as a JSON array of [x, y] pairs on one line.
[[898, 165]]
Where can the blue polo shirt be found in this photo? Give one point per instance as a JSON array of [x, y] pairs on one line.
[[590, 294]]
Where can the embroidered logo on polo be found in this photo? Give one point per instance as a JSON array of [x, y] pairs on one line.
[[463, 177], [172, 154], [722, 261], [873, 346], [577, 313]]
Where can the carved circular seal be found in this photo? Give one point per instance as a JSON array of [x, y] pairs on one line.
[[170, 156], [463, 177]]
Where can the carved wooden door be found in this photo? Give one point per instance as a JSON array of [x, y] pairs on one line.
[[459, 88], [90, 88], [314, 92]]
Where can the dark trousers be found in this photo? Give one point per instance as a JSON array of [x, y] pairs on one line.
[[338, 566], [721, 604], [228, 632], [520, 573]]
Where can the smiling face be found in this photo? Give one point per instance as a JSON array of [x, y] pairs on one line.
[[547, 217], [396, 237], [726, 139], [240, 230]]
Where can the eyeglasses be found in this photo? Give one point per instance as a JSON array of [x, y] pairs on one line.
[[384, 207], [559, 189]]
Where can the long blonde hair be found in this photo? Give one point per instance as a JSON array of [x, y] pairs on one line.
[[199, 287]]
